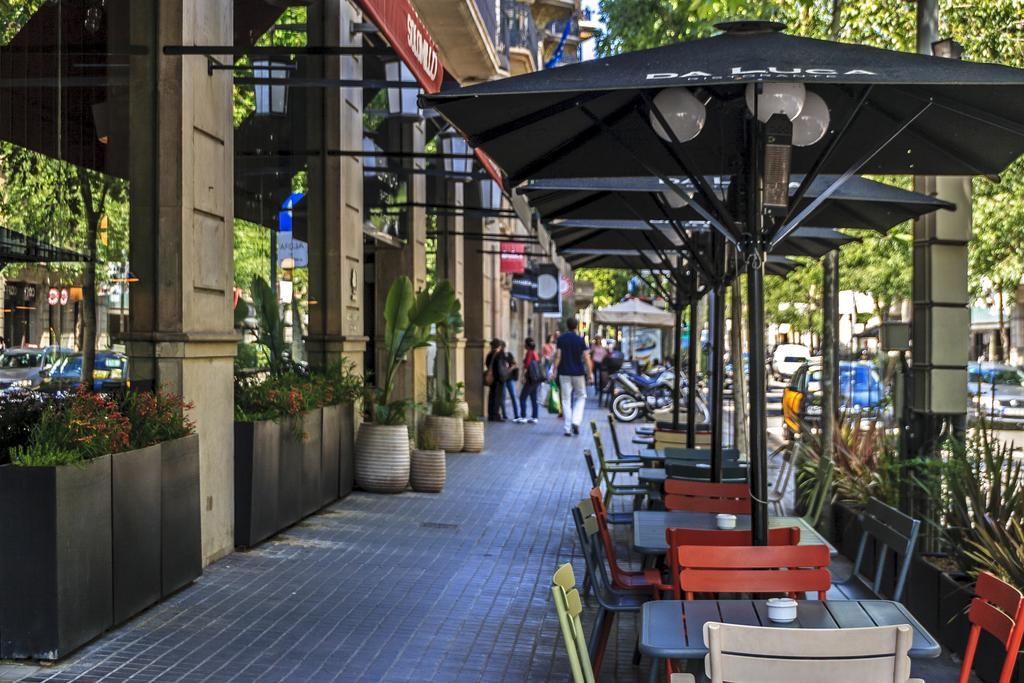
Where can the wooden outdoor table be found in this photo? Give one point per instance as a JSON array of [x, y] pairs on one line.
[[649, 528], [674, 629]]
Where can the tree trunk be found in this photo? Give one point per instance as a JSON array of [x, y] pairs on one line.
[[1001, 336], [93, 215], [739, 384]]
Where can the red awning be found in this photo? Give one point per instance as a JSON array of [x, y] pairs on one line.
[[402, 28]]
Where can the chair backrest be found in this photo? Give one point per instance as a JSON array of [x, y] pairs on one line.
[[601, 516], [715, 537], [589, 535], [759, 569], [757, 654], [893, 531], [569, 608], [997, 609], [615, 437], [703, 496], [595, 476], [693, 471]]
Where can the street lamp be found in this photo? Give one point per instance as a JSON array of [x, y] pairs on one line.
[[683, 112], [490, 195], [456, 151], [271, 99], [401, 101]]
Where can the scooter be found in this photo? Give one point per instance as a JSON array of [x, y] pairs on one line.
[[636, 394]]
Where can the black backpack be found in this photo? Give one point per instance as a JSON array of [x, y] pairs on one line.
[[535, 373]]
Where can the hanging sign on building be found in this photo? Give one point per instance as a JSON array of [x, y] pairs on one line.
[[565, 286], [549, 299], [400, 24], [513, 257], [524, 286]]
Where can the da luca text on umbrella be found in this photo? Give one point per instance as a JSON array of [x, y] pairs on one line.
[[771, 72]]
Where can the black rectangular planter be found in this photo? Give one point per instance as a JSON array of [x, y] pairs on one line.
[[136, 535], [330, 458], [922, 592], [346, 456], [257, 469], [181, 536], [289, 473], [56, 577], [312, 462]]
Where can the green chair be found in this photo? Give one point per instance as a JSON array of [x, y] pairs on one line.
[[596, 477], [569, 608], [608, 470]]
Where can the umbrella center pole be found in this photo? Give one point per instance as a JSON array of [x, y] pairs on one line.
[[755, 252], [717, 320], [691, 368]]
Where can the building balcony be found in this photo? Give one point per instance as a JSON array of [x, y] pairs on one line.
[[546, 11], [523, 39], [467, 36]]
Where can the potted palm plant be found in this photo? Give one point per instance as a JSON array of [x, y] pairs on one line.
[[444, 424], [382, 445]]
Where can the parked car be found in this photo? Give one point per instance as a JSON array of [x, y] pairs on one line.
[[997, 392], [787, 359], [860, 391], [23, 367], [109, 375]]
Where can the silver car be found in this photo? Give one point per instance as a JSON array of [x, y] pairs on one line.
[[22, 367], [997, 392]]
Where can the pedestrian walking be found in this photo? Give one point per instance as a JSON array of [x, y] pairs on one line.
[[547, 353], [493, 378], [533, 376], [510, 383], [574, 370]]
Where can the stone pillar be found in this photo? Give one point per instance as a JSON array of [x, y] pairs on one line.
[[452, 267], [181, 335], [410, 260], [335, 198], [476, 303]]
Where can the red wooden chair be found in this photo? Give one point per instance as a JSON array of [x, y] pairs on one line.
[[645, 580], [998, 609], [714, 537], [703, 496], [762, 569]]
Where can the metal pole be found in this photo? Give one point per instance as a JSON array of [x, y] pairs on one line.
[[717, 377], [755, 302], [758, 420], [677, 340], [691, 370], [830, 354]]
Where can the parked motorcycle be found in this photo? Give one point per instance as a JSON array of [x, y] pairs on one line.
[[638, 395]]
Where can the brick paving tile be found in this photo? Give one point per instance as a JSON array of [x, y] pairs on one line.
[[424, 587]]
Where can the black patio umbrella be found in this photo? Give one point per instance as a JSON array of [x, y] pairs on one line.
[[857, 203], [757, 105]]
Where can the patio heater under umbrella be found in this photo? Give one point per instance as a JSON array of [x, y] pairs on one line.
[[718, 106]]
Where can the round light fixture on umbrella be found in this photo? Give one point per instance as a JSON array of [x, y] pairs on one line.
[[811, 124], [776, 98], [683, 112], [674, 200]]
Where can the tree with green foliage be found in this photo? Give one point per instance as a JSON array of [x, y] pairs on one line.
[[610, 284]]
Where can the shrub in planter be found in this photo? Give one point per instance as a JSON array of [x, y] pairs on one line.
[[56, 530], [19, 413], [382, 446], [428, 469]]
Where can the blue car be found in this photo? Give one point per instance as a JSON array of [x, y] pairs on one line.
[[109, 375]]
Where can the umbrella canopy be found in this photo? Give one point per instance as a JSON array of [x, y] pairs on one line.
[[634, 312], [915, 114], [580, 236], [857, 203], [642, 260]]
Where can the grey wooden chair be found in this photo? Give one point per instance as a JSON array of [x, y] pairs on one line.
[[892, 532]]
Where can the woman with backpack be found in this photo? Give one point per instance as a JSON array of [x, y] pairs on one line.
[[533, 376]]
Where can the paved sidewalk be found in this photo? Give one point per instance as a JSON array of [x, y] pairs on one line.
[[414, 587]]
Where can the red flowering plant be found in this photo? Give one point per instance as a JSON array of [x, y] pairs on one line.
[[155, 417], [289, 394], [81, 427]]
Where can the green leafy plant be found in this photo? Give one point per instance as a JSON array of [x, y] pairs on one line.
[[344, 383], [998, 550], [446, 334], [976, 491], [19, 413], [270, 332], [408, 317], [78, 428], [427, 442], [865, 464], [155, 417]]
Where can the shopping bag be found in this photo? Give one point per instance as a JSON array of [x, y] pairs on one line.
[[554, 398]]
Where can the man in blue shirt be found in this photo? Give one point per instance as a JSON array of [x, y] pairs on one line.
[[574, 370]]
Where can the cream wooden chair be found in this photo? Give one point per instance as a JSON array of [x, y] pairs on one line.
[[569, 608], [754, 654]]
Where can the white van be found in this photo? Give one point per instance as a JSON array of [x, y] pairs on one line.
[[787, 358]]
